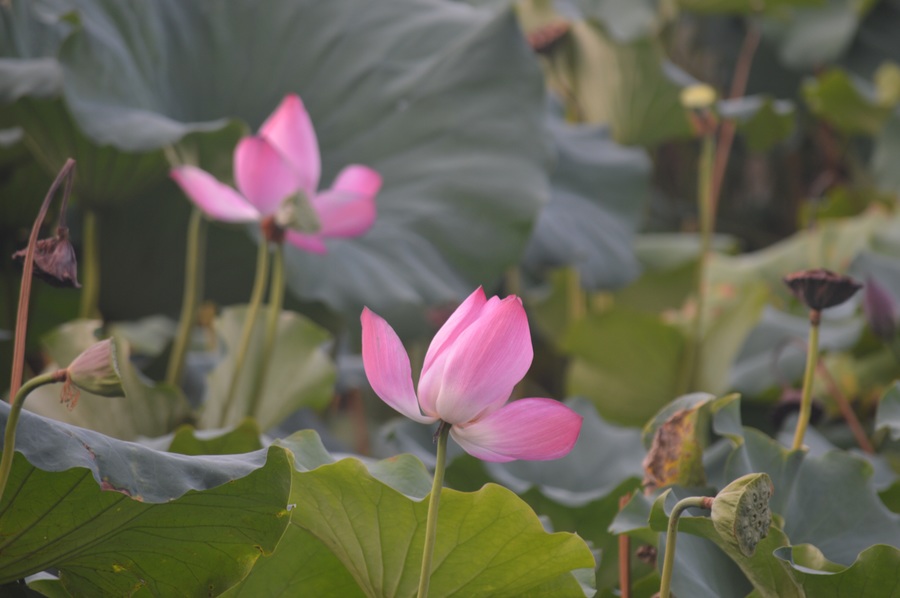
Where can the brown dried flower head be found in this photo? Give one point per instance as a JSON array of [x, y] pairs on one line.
[[820, 289], [54, 260]]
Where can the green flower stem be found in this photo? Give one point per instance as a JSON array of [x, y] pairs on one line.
[[193, 279], [256, 297], [9, 439], [812, 358], [700, 502], [706, 212], [577, 303], [276, 300], [433, 501], [90, 267]]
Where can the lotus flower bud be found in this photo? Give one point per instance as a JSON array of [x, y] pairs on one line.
[[881, 313], [699, 100], [96, 370], [54, 260], [820, 289], [740, 512]]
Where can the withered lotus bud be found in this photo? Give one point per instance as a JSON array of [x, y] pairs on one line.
[[740, 512], [96, 370], [820, 289], [880, 311], [54, 260]]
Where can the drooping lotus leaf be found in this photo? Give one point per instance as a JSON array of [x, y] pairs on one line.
[[598, 192], [443, 99], [117, 518]]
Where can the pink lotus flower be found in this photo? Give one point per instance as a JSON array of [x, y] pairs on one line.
[[271, 169], [473, 363]]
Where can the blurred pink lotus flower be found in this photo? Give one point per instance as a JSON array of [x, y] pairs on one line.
[[271, 169], [473, 363]]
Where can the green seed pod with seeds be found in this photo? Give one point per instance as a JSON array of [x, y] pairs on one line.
[[740, 512]]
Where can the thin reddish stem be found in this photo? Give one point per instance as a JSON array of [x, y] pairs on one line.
[[624, 555], [738, 88], [846, 410], [18, 363]]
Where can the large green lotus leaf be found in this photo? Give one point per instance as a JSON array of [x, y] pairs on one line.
[[612, 355], [488, 542], [32, 33], [301, 566], [808, 37], [419, 90], [856, 518], [624, 85], [591, 521], [321, 573], [579, 492], [873, 574], [245, 438], [31, 84], [104, 174], [299, 374], [888, 416], [363, 524], [598, 192], [117, 518], [149, 408]]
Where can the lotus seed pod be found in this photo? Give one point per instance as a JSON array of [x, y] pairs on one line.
[[820, 289], [96, 370], [740, 512]]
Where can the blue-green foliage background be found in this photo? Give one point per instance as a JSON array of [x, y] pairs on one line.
[[567, 177]]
